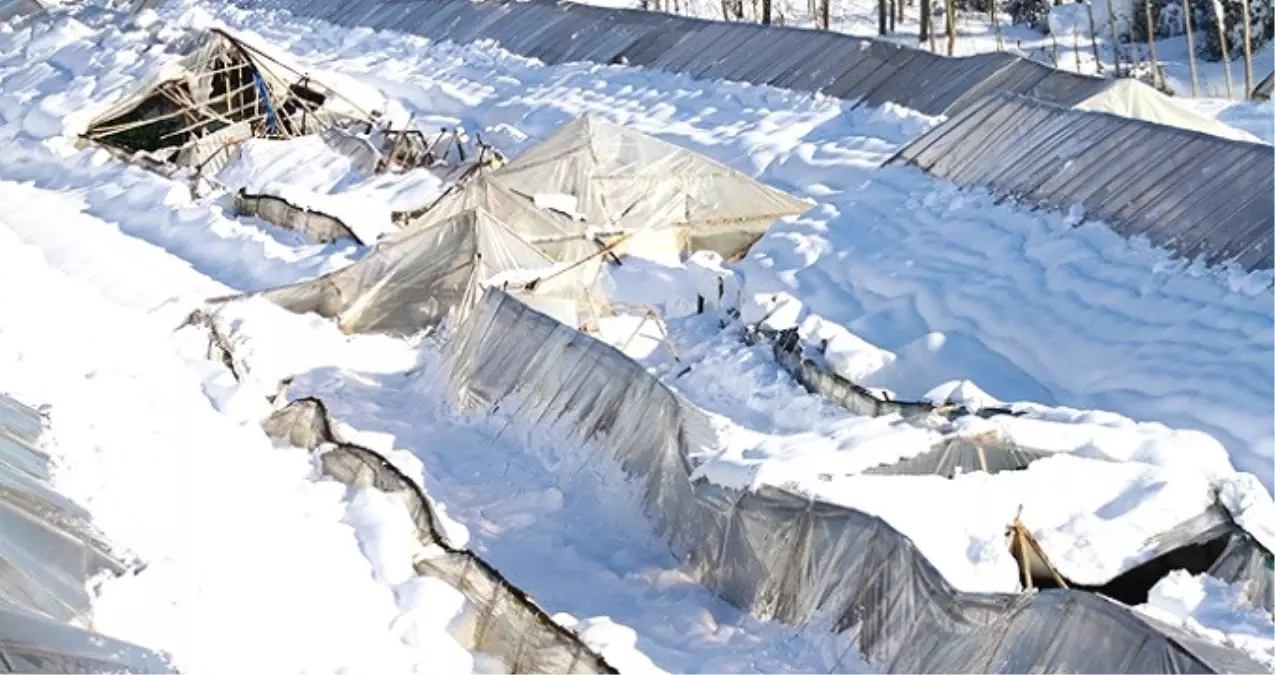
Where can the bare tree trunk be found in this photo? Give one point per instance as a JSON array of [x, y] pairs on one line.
[[1093, 37], [1053, 53], [996, 26], [1190, 47], [1075, 46], [823, 12], [1155, 61], [883, 17], [951, 27], [898, 4], [1248, 50], [895, 5], [1226, 51], [924, 33], [1115, 37], [765, 12]]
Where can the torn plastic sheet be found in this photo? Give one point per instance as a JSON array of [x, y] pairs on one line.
[[778, 554], [50, 552], [509, 624]]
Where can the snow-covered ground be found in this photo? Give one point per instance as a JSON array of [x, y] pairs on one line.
[[919, 287]]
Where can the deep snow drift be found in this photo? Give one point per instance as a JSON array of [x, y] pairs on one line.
[[919, 285]]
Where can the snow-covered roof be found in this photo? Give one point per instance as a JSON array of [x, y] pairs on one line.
[[1194, 193]]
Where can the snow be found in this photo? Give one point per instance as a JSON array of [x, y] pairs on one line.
[[148, 436], [1149, 380], [1213, 609]]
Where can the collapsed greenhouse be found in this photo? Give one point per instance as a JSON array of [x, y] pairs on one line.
[[227, 89], [666, 198], [542, 227], [781, 555], [416, 277], [51, 552], [508, 625]]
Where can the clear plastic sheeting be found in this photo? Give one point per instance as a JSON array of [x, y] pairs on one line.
[[507, 623], [625, 181], [957, 456], [1195, 194], [50, 552], [417, 277], [316, 225], [778, 554], [558, 235], [1245, 561], [853, 68]]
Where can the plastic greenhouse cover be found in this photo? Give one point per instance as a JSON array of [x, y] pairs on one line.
[[960, 455], [50, 551], [630, 181], [508, 624], [778, 554], [416, 277], [699, 48], [560, 237], [1195, 193]]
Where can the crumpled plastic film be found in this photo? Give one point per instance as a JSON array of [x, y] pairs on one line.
[[50, 551], [507, 623], [778, 554]]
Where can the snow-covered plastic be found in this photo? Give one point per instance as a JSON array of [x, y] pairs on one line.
[[316, 225], [508, 625], [781, 555], [50, 553], [1194, 193], [419, 275]]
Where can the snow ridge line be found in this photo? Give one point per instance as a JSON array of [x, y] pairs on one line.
[[521, 633], [777, 554]]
